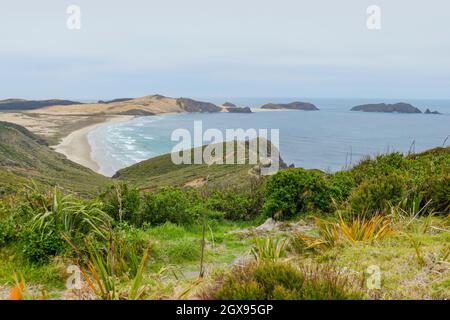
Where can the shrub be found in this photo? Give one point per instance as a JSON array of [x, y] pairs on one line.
[[38, 247], [48, 221], [374, 196], [170, 204], [382, 165], [342, 183], [293, 191], [8, 230], [437, 191], [123, 203], [284, 281], [235, 206], [103, 265]]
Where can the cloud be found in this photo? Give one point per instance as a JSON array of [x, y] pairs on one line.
[[204, 47]]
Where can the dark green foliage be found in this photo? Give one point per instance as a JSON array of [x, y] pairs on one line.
[[234, 205], [122, 250], [436, 190], [123, 203], [294, 191], [370, 187], [8, 230], [375, 196], [381, 166], [424, 175], [170, 204], [283, 281], [341, 184], [37, 246]]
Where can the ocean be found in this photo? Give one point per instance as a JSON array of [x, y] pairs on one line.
[[330, 139]]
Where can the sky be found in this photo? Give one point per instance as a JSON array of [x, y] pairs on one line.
[[218, 48]]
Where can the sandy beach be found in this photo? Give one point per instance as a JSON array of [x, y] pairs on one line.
[[76, 146]]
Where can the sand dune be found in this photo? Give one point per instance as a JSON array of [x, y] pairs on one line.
[[152, 104]]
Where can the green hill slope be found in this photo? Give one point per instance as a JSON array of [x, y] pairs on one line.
[[24, 156], [161, 171]]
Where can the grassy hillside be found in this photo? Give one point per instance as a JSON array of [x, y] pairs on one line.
[[21, 104], [161, 171], [377, 231], [24, 156]]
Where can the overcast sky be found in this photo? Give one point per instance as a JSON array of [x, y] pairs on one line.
[[224, 48]]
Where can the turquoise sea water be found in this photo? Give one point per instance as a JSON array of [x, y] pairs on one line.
[[329, 139]]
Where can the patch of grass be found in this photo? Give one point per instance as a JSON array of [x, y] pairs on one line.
[[285, 281], [402, 275], [51, 275], [183, 251]]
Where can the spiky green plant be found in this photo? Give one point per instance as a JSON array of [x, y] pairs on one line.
[[269, 248], [71, 216], [102, 267]]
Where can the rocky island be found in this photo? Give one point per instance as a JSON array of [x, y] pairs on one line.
[[291, 106], [237, 109], [428, 111], [383, 107]]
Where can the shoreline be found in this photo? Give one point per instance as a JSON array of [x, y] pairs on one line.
[[76, 146]]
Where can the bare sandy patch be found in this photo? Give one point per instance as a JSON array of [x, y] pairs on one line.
[[76, 145]]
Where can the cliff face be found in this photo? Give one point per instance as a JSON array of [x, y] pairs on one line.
[[291, 106], [383, 107], [190, 105]]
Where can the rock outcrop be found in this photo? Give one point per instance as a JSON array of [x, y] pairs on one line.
[[190, 105], [383, 107], [428, 111]]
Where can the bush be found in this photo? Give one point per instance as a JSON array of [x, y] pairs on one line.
[[235, 206], [170, 204], [436, 189], [342, 183], [123, 204], [8, 230], [8, 225], [382, 165], [38, 247], [375, 196], [283, 281], [293, 191]]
